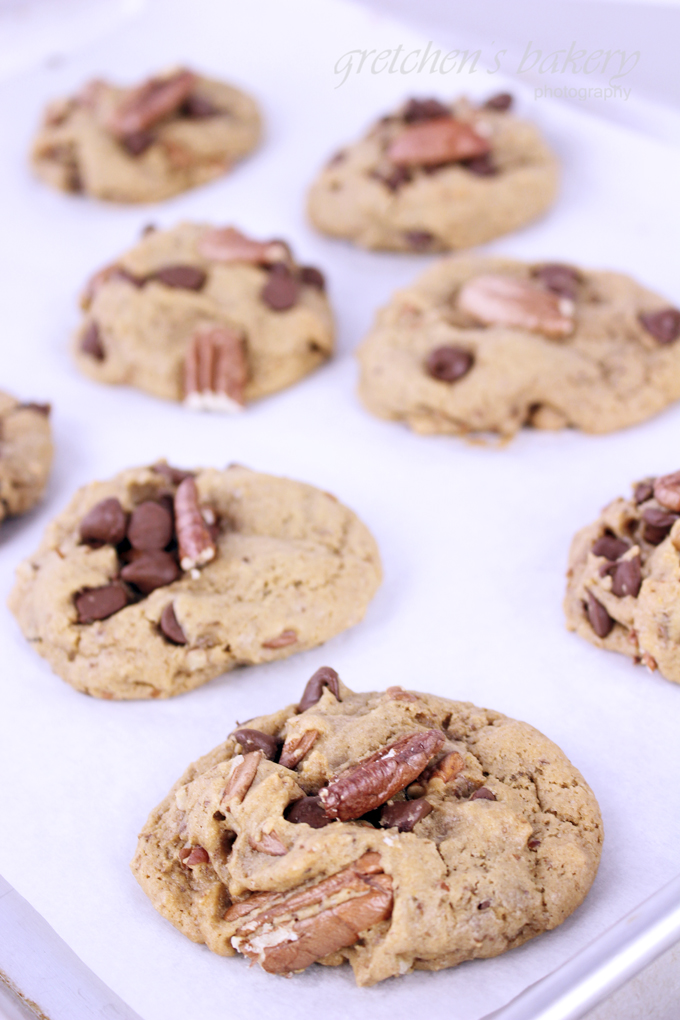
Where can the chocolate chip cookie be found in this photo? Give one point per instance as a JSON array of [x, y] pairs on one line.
[[486, 345], [623, 588], [435, 176], [205, 315], [145, 143], [395, 830], [25, 454], [160, 579]]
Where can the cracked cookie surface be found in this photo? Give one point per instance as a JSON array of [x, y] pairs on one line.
[[158, 580], [623, 581], [147, 143], [395, 830], [434, 177], [486, 345], [25, 454], [206, 316]]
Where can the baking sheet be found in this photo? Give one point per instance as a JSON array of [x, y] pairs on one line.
[[473, 540]]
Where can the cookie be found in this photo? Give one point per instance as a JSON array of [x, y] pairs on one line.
[[206, 316], [486, 345], [434, 176], [623, 587], [395, 830], [158, 580], [145, 143], [25, 454]]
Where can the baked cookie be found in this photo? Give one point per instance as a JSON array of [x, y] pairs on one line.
[[486, 345], [623, 587], [25, 454], [395, 830], [143, 144], [432, 177], [205, 315], [158, 580]]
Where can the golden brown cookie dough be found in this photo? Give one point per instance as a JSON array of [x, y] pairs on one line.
[[25, 454], [146, 143], [396, 830], [434, 177], [623, 588], [158, 580], [205, 315], [486, 345]]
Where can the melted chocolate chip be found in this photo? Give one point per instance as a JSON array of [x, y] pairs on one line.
[[151, 527], [598, 617], [404, 814], [91, 342], [169, 626], [395, 178], [104, 524], [482, 166], [484, 905], [255, 740], [307, 810], [181, 277], [312, 277], [483, 794], [610, 547], [560, 279], [424, 109], [196, 107], [657, 524], [664, 326], [138, 142], [324, 677], [449, 364], [100, 603], [627, 578], [151, 570], [419, 240], [503, 101], [643, 491], [281, 289]]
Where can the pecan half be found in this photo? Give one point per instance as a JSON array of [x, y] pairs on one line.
[[432, 142], [196, 545], [373, 781], [215, 370], [493, 299], [144, 106], [336, 911], [226, 244], [241, 778], [295, 748]]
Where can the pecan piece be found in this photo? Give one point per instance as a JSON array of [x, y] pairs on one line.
[[269, 843], [346, 904], [241, 778], [196, 545], [295, 748], [190, 856], [282, 640], [667, 491], [215, 370], [494, 299], [226, 244], [437, 141], [450, 767], [144, 106], [373, 781]]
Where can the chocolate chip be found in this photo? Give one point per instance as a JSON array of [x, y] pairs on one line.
[[324, 677], [198, 107], [312, 277], [534, 843], [255, 740], [150, 228], [91, 342], [100, 603], [627, 578], [419, 240], [104, 524], [175, 476], [657, 524], [281, 289], [181, 277], [404, 814], [424, 109], [503, 101], [610, 547], [643, 491], [151, 570], [170, 627], [558, 278], [395, 178], [484, 905], [449, 363], [483, 794], [151, 527], [599, 618], [307, 810], [138, 142], [38, 408], [664, 326], [482, 166]]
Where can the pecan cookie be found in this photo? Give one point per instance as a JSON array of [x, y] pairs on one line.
[[432, 177], [486, 345], [25, 454], [623, 587], [395, 830], [143, 144], [158, 580], [205, 315]]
